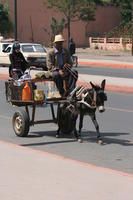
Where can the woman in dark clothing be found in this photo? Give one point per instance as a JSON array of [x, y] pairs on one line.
[[18, 62]]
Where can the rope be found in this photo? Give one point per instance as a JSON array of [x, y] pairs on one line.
[[93, 103], [74, 74]]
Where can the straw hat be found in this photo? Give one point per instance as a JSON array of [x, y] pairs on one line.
[[58, 38]]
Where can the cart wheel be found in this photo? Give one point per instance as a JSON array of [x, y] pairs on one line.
[[66, 121], [20, 123]]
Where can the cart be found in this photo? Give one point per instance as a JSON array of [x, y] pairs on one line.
[[23, 119]]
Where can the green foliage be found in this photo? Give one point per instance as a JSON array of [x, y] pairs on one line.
[[85, 10], [79, 9], [121, 31], [57, 27], [5, 22], [125, 9], [74, 10], [124, 29]]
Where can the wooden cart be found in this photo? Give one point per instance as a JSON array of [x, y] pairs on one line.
[[22, 119]]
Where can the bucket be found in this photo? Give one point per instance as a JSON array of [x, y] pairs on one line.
[[38, 95]]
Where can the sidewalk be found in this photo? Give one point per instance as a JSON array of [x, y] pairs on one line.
[[105, 58], [106, 63], [28, 174], [120, 56]]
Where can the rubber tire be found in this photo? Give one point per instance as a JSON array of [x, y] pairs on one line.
[[21, 123], [66, 121]]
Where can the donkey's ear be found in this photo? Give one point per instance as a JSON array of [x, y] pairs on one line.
[[93, 86], [103, 84]]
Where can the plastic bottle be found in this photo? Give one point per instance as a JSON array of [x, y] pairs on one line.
[[51, 89], [38, 95], [26, 92]]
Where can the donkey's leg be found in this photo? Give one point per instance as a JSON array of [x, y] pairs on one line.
[[58, 118], [58, 132], [80, 126], [75, 117], [93, 118], [76, 133]]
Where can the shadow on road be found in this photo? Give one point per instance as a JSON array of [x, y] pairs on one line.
[[108, 138], [67, 138]]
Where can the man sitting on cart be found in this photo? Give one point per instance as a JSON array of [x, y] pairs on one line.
[[59, 63]]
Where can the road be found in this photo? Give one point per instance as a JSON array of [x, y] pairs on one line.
[[88, 53], [104, 71], [101, 55], [116, 126]]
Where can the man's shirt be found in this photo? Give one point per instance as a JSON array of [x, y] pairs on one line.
[[60, 58]]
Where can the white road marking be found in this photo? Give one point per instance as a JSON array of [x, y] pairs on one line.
[[4, 117], [119, 109]]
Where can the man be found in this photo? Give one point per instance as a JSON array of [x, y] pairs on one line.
[[72, 47], [59, 63], [18, 62]]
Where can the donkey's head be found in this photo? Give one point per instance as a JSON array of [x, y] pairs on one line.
[[99, 95]]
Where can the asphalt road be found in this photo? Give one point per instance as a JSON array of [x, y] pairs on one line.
[[105, 71], [105, 55], [122, 56], [116, 125]]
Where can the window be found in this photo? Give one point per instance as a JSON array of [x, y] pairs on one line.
[[4, 46], [27, 48], [7, 50], [39, 48]]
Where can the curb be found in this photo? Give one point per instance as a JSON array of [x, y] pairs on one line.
[[101, 64], [62, 158], [4, 77]]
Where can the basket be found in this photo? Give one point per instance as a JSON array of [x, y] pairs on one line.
[[14, 92]]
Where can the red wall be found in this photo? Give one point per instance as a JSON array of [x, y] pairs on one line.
[[106, 18]]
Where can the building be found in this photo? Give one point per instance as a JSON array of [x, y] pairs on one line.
[[34, 22]]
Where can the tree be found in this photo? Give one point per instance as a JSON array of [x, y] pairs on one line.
[[56, 28], [5, 22], [126, 11], [74, 10]]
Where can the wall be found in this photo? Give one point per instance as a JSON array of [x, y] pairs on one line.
[[33, 15], [106, 19], [110, 43]]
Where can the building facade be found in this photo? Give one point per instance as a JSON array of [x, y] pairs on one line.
[[34, 21]]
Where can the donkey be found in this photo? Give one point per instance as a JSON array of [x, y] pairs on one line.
[[91, 99], [83, 101]]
